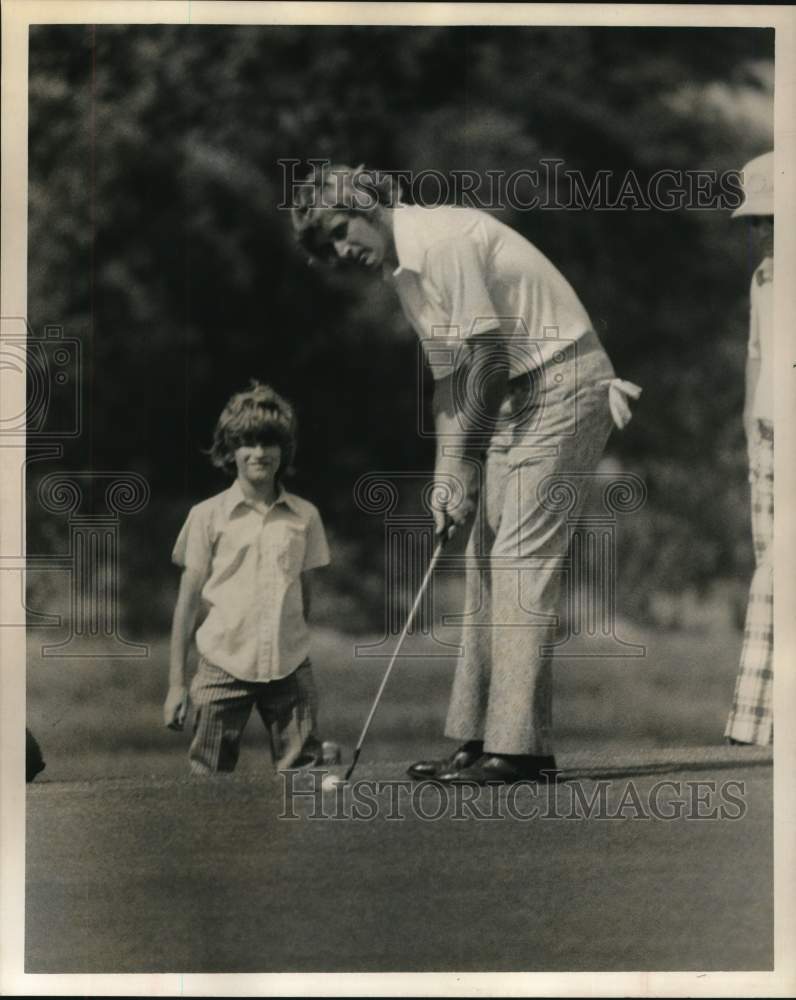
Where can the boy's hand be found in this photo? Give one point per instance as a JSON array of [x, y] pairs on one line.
[[176, 707]]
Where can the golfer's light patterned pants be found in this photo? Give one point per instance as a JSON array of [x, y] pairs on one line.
[[502, 690], [751, 718], [222, 706]]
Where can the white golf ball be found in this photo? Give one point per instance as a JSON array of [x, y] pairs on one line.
[[330, 782]]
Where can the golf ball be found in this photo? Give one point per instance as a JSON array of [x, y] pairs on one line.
[[330, 782]]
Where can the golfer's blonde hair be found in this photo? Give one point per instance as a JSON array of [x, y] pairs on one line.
[[329, 190]]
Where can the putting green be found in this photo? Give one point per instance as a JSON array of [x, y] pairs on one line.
[[209, 876]]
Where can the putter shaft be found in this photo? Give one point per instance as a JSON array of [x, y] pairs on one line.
[[409, 619]]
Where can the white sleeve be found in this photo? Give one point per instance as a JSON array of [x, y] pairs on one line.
[[316, 553], [193, 548]]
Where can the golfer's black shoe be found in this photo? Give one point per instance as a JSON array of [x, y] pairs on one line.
[[502, 769], [466, 755]]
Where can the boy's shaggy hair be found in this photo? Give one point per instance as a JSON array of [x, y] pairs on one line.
[[332, 189], [258, 415]]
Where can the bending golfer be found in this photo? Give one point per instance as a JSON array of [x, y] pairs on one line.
[[523, 392]]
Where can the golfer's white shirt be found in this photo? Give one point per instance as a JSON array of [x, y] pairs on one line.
[[761, 338], [462, 272], [252, 559]]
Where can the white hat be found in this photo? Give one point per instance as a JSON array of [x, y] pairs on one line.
[[758, 187]]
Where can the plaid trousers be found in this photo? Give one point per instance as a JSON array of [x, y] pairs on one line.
[[751, 717], [223, 704]]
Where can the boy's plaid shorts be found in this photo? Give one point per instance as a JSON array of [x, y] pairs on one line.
[[222, 706]]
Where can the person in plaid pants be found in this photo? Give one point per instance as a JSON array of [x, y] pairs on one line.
[[751, 716], [246, 556]]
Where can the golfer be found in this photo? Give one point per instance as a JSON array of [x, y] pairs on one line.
[[523, 395], [751, 718]]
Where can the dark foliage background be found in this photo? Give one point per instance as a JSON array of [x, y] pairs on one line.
[[155, 238]]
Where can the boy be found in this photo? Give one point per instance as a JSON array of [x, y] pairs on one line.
[[751, 716], [246, 555]]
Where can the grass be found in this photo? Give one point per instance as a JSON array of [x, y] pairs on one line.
[[99, 718], [180, 876]]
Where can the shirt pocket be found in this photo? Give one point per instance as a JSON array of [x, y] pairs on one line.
[[291, 551], [233, 549]]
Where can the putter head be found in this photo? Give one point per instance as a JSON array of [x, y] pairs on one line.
[[352, 765]]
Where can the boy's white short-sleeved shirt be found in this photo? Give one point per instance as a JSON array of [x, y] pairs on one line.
[[761, 338], [462, 272], [252, 559]]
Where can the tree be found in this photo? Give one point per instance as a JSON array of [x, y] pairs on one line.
[[157, 238]]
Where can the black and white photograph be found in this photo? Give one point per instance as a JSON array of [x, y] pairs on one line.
[[390, 581]]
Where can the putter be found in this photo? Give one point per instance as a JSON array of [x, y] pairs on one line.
[[396, 651]]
